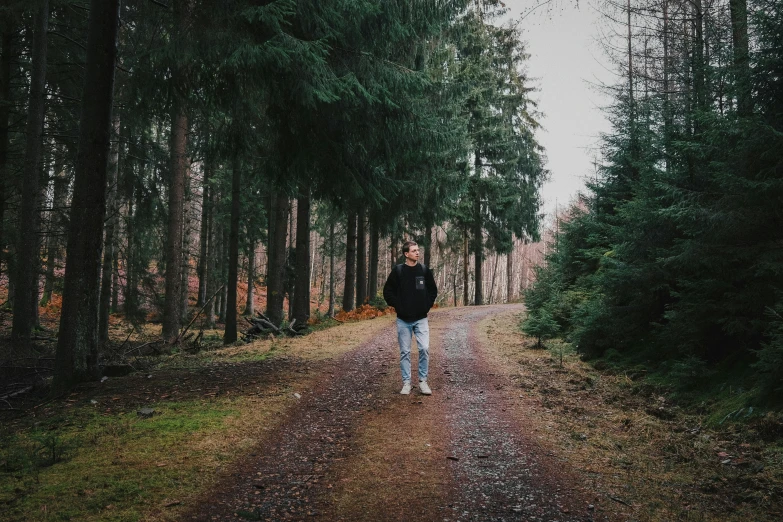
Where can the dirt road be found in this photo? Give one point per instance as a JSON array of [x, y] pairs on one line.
[[354, 449]]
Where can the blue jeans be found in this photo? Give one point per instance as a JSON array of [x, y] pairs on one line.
[[405, 332]]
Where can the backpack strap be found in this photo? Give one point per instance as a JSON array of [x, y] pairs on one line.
[[398, 269]]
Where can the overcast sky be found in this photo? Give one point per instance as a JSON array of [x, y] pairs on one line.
[[565, 59]]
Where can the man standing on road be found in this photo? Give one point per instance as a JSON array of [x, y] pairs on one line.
[[411, 290]]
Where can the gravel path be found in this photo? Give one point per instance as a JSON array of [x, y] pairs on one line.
[[286, 479], [496, 474]]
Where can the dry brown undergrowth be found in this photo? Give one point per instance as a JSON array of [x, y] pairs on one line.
[[654, 469]]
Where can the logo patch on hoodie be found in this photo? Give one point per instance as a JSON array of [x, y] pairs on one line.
[[419, 282]]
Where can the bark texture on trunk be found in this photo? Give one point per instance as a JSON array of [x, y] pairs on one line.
[[26, 280], [373, 271], [230, 334], [739, 36], [510, 276], [277, 260], [211, 265], [428, 244], [57, 227], [178, 172], [350, 263], [77, 346], [361, 257], [108, 245], [204, 239], [332, 296], [5, 117], [465, 274], [223, 274], [187, 235], [301, 307], [250, 307], [171, 307], [478, 249]]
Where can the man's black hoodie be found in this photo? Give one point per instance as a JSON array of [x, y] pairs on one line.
[[411, 290]]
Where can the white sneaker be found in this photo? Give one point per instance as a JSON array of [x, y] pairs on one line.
[[406, 388], [424, 388]]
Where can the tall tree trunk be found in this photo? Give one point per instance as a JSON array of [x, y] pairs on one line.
[[510, 275], [630, 62], [130, 304], [739, 37], [27, 250], [171, 309], [187, 232], [350, 263], [454, 283], [465, 260], [361, 257], [478, 249], [211, 261], [178, 172], [77, 346], [667, 110], [301, 307], [271, 214], [5, 118], [373, 272], [115, 284], [230, 334], [224, 248], [332, 296], [290, 282], [108, 245], [204, 238], [250, 307], [699, 67], [277, 260], [56, 227], [494, 277], [428, 242]]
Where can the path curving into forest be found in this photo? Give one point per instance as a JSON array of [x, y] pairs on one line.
[[354, 449]]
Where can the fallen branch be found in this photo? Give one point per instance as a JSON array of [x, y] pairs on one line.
[[175, 341], [291, 328], [619, 500], [10, 407], [156, 341], [33, 368], [126, 340], [270, 326], [16, 393]]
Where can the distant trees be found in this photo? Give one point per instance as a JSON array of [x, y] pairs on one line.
[[677, 256]]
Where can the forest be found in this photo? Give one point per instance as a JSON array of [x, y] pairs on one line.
[[181, 163], [201, 200], [671, 265]]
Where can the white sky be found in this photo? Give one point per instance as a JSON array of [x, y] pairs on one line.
[[565, 60]]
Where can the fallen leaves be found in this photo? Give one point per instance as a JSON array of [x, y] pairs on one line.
[[363, 313]]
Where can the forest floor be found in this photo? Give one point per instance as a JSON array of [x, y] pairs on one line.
[[314, 428]]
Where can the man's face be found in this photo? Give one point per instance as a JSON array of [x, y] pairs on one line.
[[412, 254]]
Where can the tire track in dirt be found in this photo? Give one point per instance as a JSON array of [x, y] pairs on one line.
[[294, 466], [499, 473], [461, 455]]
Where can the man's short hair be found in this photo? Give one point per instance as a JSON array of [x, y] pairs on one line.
[[406, 247]]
